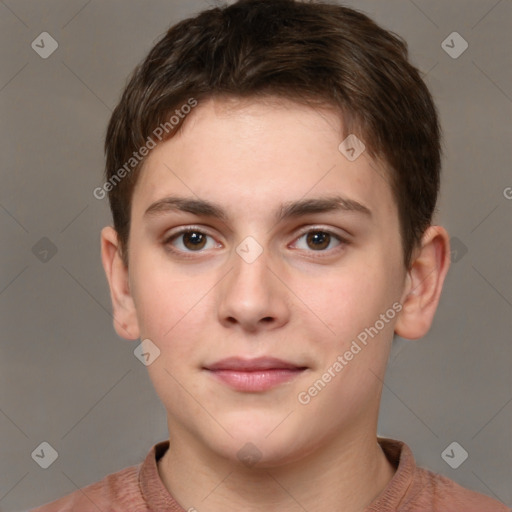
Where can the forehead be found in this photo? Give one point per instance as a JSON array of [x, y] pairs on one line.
[[248, 155]]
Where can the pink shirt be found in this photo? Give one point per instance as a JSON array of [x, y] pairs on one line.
[[412, 489]]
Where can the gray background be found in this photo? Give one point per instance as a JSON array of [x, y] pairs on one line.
[[65, 376]]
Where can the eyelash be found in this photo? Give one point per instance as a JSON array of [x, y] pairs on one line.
[[196, 229]]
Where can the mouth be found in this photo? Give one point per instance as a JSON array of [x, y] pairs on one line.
[[254, 375]]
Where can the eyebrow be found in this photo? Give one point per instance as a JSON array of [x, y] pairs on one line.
[[290, 209]]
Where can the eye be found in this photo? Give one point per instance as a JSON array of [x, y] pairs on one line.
[[320, 239], [192, 240]]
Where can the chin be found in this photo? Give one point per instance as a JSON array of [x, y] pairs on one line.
[[261, 445]]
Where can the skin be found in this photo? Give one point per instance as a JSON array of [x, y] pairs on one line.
[[295, 302]]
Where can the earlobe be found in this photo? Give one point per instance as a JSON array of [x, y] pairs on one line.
[[123, 307], [424, 284]]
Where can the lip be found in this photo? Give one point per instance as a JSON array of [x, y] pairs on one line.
[[254, 375], [249, 365]]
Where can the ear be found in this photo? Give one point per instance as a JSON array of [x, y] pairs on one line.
[[125, 318], [424, 284]]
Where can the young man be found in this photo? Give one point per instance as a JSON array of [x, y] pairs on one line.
[[272, 169]]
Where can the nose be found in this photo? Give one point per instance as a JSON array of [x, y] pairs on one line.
[[253, 295]]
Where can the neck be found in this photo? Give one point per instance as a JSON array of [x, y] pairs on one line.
[[348, 471]]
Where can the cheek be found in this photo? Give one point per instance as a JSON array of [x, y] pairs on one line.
[[160, 301], [172, 309], [348, 299]]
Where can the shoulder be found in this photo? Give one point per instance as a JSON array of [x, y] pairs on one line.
[[414, 488], [438, 493], [113, 493]]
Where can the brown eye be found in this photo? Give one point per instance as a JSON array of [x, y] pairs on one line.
[[194, 240], [187, 240], [318, 240]]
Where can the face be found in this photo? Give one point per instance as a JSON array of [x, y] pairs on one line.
[[270, 272]]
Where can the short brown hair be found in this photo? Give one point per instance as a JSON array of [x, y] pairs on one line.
[[309, 52]]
